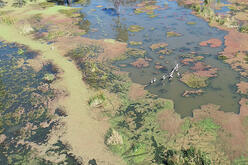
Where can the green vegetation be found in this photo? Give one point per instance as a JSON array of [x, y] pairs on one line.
[[45, 5], [19, 3], [97, 100], [73, 13], [173, 34], [194, 81], [97, 74], [135, 28], [187, 156], [207, 125], [244, 29], [7, 20]]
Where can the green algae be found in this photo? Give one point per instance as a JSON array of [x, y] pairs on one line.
[[135, 28]]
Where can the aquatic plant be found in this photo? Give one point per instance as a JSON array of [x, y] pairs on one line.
[[135, 43], [194, 81], [173, 34], [135, 28]]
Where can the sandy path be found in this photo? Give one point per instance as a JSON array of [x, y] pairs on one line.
[[85, 134]]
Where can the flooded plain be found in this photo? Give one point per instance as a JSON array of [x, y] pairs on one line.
[[106, 20]]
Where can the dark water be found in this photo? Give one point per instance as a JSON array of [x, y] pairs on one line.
[[221, 89]]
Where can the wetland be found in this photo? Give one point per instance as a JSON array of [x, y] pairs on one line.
[[124, 82]]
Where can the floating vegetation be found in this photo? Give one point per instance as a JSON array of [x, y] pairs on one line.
[[135, 28], [135, 43], [191, 23], [192, 93], [140, 63], [213, 43], [134, 52], [173, 34], [194, 81], [158, 46]]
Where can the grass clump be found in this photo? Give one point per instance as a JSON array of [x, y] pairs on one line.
[[207, 125], [7, 20], [244, 29], [45, 5], [70, 12], [97, 100]]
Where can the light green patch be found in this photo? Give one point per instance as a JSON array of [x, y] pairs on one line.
[[46, 4], [240, 161], [153, 15], [135, 43], [49, 77], [73, 13], [9, 20], [97, 100], [191, 23], [112, 41], [20, 51], [135, 28], [207, 125], [194, 81], [186, 125], [173, 34]]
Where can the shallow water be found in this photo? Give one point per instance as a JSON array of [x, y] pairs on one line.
[[221, 89]]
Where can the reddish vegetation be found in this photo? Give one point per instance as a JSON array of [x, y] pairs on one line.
[[204, 70], [235, 42], [193, 92], [158, 45], [170, 121], [136, 91], [213, 43], [200, 66], [233, 133], [140, 63], [242, 87], [186, 61]]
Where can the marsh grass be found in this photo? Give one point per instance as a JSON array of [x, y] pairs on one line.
[[9, 20]]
